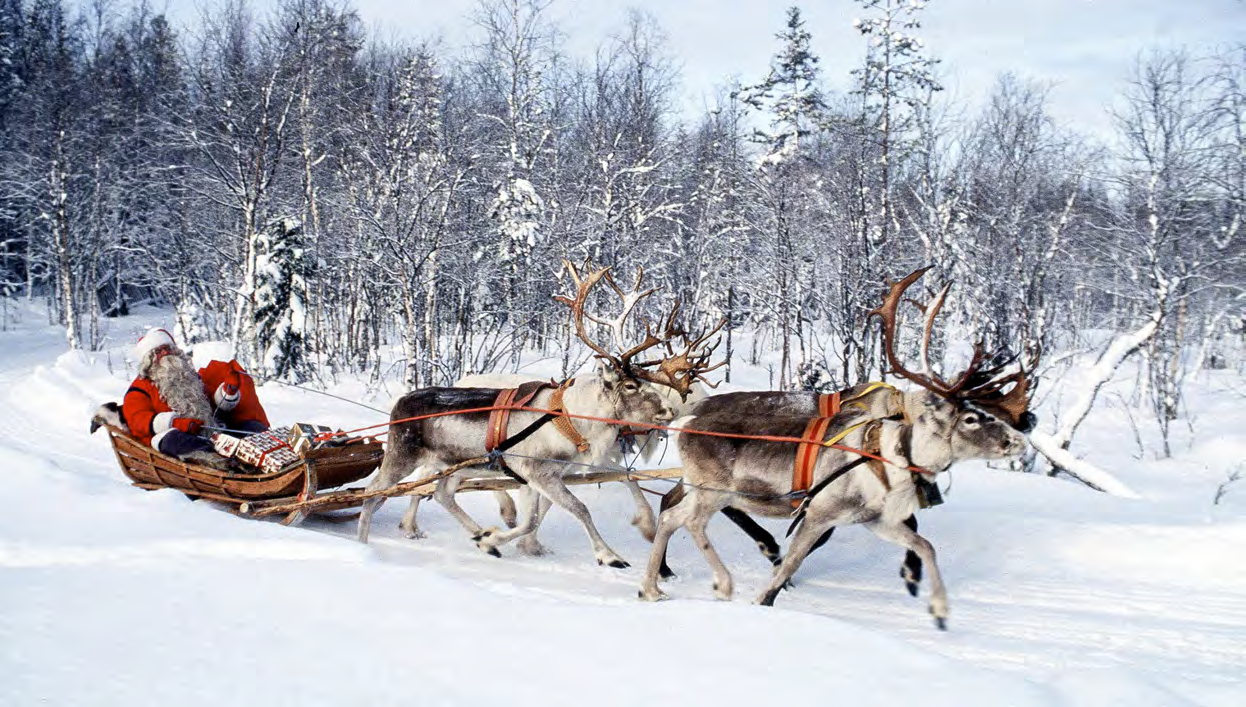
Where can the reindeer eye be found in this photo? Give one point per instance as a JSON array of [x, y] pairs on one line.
[[631, 385], [971, 418]]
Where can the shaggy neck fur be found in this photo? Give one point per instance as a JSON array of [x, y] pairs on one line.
[[179, 384]]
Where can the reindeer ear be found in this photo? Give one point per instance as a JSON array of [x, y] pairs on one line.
[[608, 373]]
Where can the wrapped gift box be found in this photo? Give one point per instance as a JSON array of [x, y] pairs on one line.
[[303, 436], [225, 445], [267, 451]]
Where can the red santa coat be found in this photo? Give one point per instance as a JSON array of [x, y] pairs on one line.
[[248, 409], [143, 401]]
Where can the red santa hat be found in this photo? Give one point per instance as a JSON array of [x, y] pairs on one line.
[[152, 340]]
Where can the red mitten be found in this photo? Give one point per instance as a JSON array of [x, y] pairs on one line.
[[189, 425]]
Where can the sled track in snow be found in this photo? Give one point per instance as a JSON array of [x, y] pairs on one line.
[[1031, 625]]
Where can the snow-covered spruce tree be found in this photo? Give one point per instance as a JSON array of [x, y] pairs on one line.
[[282, 271], [791, 102], [510, 75]]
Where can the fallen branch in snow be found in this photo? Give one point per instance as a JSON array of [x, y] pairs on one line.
[[1224, 488], [1079, 469]]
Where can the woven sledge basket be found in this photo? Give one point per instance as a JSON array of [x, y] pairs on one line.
[[319, 469]]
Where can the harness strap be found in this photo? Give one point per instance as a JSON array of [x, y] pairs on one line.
[[807, 452], [807, 455], [562, 423], [829, 404], [507, 400], [872, 442]]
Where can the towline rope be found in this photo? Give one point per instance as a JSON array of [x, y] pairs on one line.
[[612, 421]]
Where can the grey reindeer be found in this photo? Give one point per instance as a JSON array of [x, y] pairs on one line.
[[945, 422], [623, 388]]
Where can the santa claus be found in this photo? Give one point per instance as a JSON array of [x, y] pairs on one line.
[[170, 402]]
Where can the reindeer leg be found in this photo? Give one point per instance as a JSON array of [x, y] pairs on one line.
[[813, 529], [506, 507], [529, 544], [550, 485], [911, 570], [669, 500], [644, 519], [765, 541], [530, 517], [444, 493], [409, 527], [674, 516], [904, 536], [390, 473], [723, 587]]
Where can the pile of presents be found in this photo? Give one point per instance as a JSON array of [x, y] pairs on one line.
[[271, 451]]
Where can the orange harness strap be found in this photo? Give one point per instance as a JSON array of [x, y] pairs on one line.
[[807, 454], [829, 404], [506, 401]]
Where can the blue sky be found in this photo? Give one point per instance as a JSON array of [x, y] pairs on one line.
[[1082, 48]]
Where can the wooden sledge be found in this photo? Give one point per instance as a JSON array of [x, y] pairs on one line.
[[325, 468], [301, 489]]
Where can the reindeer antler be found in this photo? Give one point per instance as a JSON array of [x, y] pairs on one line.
[[982, 387], [680, 371], [677, 371], [929, 380], [582, 287]]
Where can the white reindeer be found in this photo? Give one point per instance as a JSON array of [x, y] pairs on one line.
[[647, 449], [621, 389]]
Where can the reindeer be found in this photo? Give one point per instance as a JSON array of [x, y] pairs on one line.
[[875, 399], [623, 388], [946, 422], [644, 518]]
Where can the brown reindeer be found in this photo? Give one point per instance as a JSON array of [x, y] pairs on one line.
[[946, 422], [623, 388]]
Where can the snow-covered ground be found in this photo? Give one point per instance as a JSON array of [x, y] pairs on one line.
[[110, 595]]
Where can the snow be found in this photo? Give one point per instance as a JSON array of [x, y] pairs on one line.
[[1060, 595]]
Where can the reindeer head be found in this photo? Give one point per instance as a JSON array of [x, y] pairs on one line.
[[972, 412], [622, 372]]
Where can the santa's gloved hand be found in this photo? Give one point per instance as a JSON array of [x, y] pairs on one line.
[[226, 397], [189, 425]]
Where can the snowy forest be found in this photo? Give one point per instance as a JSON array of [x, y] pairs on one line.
[[322, 199]]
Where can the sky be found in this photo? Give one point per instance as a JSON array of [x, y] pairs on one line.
[[1082, 49]]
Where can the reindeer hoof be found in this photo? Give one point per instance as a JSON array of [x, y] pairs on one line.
[[616, 563], [414, 534], [911, 579], [666, 572], [768, 598], [652, 595], [940, 623], [489, 549]]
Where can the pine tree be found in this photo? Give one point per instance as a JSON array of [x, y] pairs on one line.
[[281, 300]]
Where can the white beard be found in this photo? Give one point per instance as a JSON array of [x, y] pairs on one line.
[[180, 386]]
